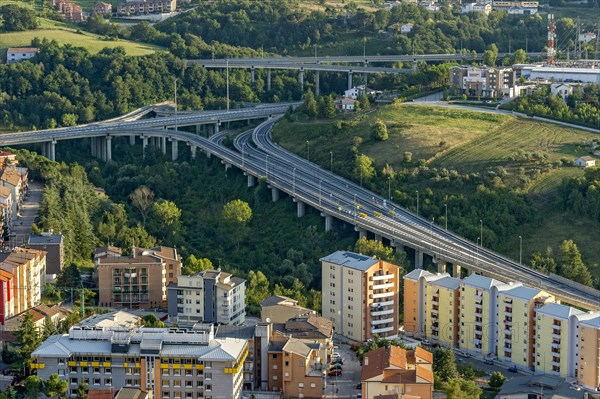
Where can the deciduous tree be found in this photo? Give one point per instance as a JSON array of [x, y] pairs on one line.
[[142, 198]]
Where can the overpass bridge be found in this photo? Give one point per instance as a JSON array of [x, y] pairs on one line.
[[309, 185]]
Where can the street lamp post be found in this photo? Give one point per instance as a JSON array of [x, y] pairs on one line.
[[267, 166], [308, 150], [389, 188], [331, 160], [446, 206], [481, 232], [175, 90], [320, 181], [227, 73], [294, 180], [520, 250]]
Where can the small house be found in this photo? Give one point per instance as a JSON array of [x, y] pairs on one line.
[[585, 162], [16, 54], [345, 104], [406, 28]]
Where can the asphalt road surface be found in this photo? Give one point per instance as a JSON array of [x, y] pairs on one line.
[[29, 211], [344, 386]]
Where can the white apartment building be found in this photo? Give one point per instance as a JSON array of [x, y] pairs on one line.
[[209, 296]]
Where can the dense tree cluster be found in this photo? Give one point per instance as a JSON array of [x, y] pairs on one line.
[[582, 107], [15, 18], [582, 196]]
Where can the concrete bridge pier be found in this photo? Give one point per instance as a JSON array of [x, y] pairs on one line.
[[301, 206], [132, 139], [328, 222], [193, 149], [418, 259], [365, 76], [53, 150], [163, 144], [377, 237], [415, 65], [92, 147], [252, 74], [441, 266], [268, 79], [108, 146], [274, 194], [144, 145], [456, 270], [349, 80], [301, 78], [251, 181], [174, 149], [317, 84], [102, 148], [362, 233], [217, 127]]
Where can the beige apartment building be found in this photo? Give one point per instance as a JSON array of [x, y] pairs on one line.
[[442, 302], [517, 308], [23, 277], [360, 295], [279, 309], [588, 373], [414, 301], [139, 280]]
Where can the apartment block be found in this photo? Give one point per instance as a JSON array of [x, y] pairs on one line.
[[588, 372], [555, 340], [150, 6], [172, 363], [209, 296], [138, 280], [486, 82], [517, 307], [478, 317], [360, 295], [295, 368], [396, 373], [442, 302], [12, 179], [6, 208], [54, 247], [414, 301], [21, 280]]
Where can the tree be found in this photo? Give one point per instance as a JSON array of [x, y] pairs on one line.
[[444, 364], [28, 339], [545, 264], [363, 167], [143, 199], [490, 55], [167, 216], [55, 387], [152, 321], [407, 157], [363, 100], [257, 291], [329, 107], [15, 18], [82, 391], [237, 212], [570, 264], [310, 104], [33, 387], [462, 389], [194, 265], [468, 372], [49, 328], [379, 131], [69, 277], [497, 379], [377, 249], [519, 57]]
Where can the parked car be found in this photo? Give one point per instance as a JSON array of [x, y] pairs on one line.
[[463, 353], [335, 367], [489, 361], [336, 354], [359, 385], [513, 369], [338, 360], [334, 373]]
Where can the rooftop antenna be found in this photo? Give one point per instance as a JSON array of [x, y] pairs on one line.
[[551, 37]]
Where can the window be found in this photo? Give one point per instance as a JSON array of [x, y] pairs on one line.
[[74, 381], [274, 378], [274, 367], [274, 356], [108, 381], [313, 385], [107, 370], [287, 363], [96, 381]]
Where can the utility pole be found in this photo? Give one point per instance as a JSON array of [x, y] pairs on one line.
[[175, 84], [227, 67]]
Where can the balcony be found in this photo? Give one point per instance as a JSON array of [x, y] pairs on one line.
[[434, 328], [508, 314], [556, 345], [383, 277], [478, 323], [381, 330], [554, 363], [381, 312], [435, 311], [383, 295], [382, 303], [478, 297], [434, 301], [509, 350], [225, 305], [508, 323], [382, 286], [478, 305], [507, 332], [556, 336], [382, 321], [508, 340]]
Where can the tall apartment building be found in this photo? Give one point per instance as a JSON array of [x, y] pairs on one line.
[[414, 301], [53, 245], [478, 317], [442, 302], [555, 339], [482, 81], [360, 295], [21, 280], [172, 363], [209, 296], [588, 372], [517, 307], [139, 280]]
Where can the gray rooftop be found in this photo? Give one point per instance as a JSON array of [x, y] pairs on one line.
[[559, 311], [554, 387], [417, 274], [477, 281], [45, 239], [522, 292], [350, 259], [238, 332], [447, 282], [590, 319]]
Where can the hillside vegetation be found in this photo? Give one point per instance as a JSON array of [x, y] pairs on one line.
[[503, 170]]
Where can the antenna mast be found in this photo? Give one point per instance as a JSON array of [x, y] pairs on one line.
[[551, 36]]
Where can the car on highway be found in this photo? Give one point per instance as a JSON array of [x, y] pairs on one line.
[[335, 373]]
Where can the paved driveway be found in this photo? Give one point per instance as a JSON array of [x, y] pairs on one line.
[[29, 211], [344, 386]]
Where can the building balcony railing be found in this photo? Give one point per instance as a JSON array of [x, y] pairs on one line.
[[554, 363], [382, 277], [382, 321], [434, 311], [381, 312], [556, 336], [382, 286], [381, 330], [478, 323], [478, 305], [383, 295], [478, 297]]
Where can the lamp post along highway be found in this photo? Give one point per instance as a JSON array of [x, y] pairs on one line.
[[481, 232], [446, 207], [417, 202], [227, 73], [308, 150], [175, 91], [520, 250], [294, 180], [331, 161]]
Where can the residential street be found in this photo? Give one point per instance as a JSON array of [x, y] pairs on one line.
[[22, 226], [344, 386]]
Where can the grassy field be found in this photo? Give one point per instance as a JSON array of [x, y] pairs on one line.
[[90, 41], [468, 142]]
